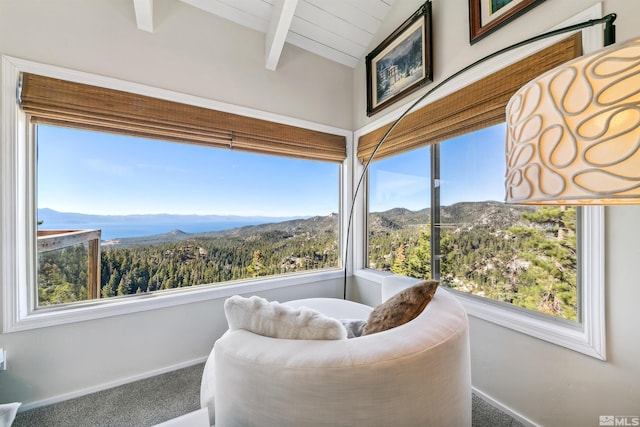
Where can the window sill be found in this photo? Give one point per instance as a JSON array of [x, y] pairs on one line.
[[585, 337], [137, 303], [565, 333]]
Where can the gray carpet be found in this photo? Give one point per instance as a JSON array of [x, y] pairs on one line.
[[139, 404], [485, 415], [154, 400]]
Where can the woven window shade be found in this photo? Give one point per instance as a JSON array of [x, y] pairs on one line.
[[69, 104], [479, 105]]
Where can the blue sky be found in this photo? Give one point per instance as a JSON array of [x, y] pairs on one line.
[[97, 173], [472, 168], [94, 173]]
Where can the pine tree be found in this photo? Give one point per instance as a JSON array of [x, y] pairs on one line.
[[400, 262], [419, 261], [124, 287], [257, 267]]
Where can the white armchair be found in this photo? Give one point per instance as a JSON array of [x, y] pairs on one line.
[[417, 374]]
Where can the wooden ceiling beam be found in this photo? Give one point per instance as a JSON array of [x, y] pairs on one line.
[[277, 31], [144, 14]]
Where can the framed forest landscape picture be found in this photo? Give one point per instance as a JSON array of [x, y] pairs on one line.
[[486, 16], [402, 63]]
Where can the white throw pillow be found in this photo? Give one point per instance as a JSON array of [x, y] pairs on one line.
[[276, 320]]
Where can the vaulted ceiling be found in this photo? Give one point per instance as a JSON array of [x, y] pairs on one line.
[[339, 30]]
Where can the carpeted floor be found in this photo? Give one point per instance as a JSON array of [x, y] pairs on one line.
[[154, 400], [485, 415], [141, 403]]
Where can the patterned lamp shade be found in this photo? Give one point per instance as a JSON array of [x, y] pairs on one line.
[[573, 134]]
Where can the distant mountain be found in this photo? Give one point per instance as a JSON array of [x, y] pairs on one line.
[[398, 218], [273, 231], [55, 217], [477, 213], [276, 228], [496, 214], [315, 224]]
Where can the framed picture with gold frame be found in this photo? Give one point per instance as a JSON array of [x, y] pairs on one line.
[[402, 63], [486, 16]]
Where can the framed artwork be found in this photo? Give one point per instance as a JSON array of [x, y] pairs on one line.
[[402, 63], [486, 16]]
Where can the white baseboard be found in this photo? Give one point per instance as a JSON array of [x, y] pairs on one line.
[[111, 384], [513, 414]]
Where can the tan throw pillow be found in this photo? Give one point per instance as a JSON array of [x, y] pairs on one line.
[[403, 307]]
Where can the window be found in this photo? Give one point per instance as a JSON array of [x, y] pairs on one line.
[[538, 270], [453, 227], [170, 215], [399, 221], [117, 202], [522, 255]]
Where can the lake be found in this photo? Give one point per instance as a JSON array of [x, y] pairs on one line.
[[112, 231]]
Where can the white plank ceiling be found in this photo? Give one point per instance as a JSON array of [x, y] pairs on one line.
[[339, 30]]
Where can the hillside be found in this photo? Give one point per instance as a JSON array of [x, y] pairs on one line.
[[463, 213], [313, 226], [521, 255]]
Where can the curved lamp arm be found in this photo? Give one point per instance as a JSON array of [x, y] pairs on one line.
[[609, 38]]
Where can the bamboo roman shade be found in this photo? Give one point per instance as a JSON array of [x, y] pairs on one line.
[[70, 104], [474, 107]]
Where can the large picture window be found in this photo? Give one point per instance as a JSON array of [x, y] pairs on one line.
[[537, 270], [522, 255], [121, 198], [170, 215]]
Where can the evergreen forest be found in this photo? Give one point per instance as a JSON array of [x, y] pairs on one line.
[[177, 259], [520, 255]]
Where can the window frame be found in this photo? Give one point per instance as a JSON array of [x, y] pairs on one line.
[[18, 202], [586, 336]]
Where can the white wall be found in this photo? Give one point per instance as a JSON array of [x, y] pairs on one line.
[[190, 51], [193, 53], [547, 384]]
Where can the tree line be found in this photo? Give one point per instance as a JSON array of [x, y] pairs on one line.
[[62, 274], [530, 262]]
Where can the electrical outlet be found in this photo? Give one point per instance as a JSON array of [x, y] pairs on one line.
[[3, 360]]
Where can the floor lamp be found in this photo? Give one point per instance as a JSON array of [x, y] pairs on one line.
[[573, 133], [531, 138]]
